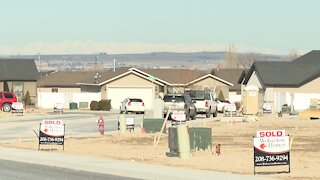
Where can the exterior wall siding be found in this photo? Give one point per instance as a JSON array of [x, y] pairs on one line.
[[254, 81], [31, 87], [1, 86], [280, 96], [130, 80], [60, 90], [213, 85]]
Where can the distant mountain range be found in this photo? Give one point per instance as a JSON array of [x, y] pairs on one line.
[[146, 60]]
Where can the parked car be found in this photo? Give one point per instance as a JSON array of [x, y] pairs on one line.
[[223, 106], [133, 105], [179, 102], [6, 100], [204, 102]]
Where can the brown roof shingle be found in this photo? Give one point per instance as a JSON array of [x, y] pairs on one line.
[[230, 75], [175, 76], [71, 78]]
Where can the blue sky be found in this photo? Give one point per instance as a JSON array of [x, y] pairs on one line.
[[126, 26]]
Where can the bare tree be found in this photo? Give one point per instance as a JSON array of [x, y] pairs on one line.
[[246, 60], [234, 60], [293, 54], [231, 58]]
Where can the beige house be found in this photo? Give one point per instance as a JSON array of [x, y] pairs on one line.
[[19, 76], [147, 84], [232, 76], [293, 83]]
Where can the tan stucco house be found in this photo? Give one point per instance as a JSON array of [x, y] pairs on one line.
[[232, 76], [19, 76], [147, 84], [293, 83]]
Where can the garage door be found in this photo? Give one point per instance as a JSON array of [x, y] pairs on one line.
[[117, 95]]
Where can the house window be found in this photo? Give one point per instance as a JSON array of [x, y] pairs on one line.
[[17, 88], [54, 90]]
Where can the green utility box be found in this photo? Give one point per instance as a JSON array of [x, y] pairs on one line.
[[200, 138], [152, 125], [73, 105], [173, 142]]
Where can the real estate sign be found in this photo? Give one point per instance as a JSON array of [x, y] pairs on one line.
[[51, 132], [271, 148], [130, 123], [178, 116], [17, 107]]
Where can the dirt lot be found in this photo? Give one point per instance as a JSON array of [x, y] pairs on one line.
[[236, 147]]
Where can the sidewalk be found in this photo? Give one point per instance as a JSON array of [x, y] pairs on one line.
[[114, 167]]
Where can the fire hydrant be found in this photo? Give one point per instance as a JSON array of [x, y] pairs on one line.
[[101, 125]]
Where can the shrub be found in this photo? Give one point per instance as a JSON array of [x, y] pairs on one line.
[[105, 104], [221, 96], [94, 105], [27, 99]]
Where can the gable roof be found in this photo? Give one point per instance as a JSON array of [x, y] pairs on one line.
[[211, 76], [243, 76], [76, 78], [64, 78], [127, 73], [230, 75], [172, 77], [18, 70], [287, 74]]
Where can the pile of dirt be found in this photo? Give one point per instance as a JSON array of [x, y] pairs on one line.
[[311, 113]]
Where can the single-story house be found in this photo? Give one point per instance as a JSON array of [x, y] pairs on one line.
[[64, 87], [292, 83], [116, 85], [19, 76], [232, 76]]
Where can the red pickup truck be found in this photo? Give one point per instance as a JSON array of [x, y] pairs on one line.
[[6, 99]]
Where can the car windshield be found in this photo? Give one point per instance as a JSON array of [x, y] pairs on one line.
[[173, 98], [199, 95], [135, 100]]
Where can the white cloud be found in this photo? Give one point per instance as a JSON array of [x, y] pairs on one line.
[[89, 47]]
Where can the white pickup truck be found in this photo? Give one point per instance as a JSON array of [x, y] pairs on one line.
[[204, 102]]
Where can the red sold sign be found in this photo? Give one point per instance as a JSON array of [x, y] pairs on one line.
[[271, 133], [52, 128]]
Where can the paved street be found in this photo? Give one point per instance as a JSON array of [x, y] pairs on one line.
[[77, 124], [128, 169], [13, 170]]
